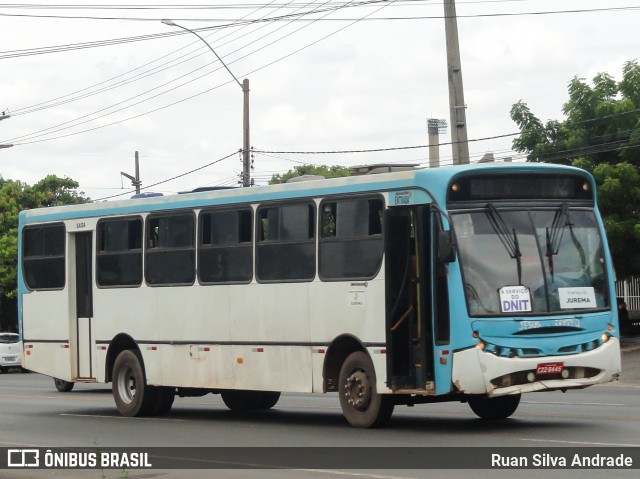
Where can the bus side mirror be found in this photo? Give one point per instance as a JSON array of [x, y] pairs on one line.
[[446, 251]]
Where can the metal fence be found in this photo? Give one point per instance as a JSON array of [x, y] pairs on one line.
[[630, 291]]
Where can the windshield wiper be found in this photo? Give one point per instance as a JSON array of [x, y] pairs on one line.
[[508, 238], [554, 234]]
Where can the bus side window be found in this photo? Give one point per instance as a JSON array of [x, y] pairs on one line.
[[351, 244], [285, 250], [225, 249], [44, 257], [170, 257], [119, 255]]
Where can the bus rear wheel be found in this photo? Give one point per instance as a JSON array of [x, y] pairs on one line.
[[239, 401], [62, 385], [132, 395], [164, 400], [497, 408], [361, 404]]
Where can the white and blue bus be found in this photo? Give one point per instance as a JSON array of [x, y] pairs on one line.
[[472, 284]]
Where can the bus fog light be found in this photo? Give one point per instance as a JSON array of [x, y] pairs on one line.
[[531, 377], [605, 337], [565, 374]]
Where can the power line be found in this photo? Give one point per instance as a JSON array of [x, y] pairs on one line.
[[170, 179], [421, 17], [31, 138]]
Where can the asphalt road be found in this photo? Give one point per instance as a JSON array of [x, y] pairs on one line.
[[34, 414]]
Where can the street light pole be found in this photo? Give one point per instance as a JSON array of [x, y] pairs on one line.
[[246, 159]]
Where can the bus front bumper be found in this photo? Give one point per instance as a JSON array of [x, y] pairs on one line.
[[478, 372]]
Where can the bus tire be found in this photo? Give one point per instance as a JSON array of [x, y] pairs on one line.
[[361, 404], [239, 401], [62, 385], [130, 391], [497, 408], [164, 401]]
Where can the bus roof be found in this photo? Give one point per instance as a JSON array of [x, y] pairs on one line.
[[434, 181]]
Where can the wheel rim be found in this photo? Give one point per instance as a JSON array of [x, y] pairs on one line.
[[357, 390], [127, 385]]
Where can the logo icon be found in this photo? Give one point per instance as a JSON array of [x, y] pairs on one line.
[[23, 458]]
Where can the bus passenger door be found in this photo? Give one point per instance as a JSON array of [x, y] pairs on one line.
[[84, 305], [409, 323]]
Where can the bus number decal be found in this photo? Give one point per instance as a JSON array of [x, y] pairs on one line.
[[402, 198], [356, 299], [80, 225]]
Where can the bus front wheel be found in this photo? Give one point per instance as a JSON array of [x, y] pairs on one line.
[[500, 407], [361, 404], [132, 395]]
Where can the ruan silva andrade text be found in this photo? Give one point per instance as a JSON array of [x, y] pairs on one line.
[[571, 460]]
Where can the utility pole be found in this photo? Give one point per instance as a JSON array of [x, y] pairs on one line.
[[460, 145], [246, 157], [135, 180]]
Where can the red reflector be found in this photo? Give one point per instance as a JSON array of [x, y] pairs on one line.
[[207, 349], [104, 348], [445, 352], [259, 350], [549, 368], [66, 346], [30, 346], [152, 348]]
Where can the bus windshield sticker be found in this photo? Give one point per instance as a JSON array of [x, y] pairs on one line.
[[515, 299], [577, 298]]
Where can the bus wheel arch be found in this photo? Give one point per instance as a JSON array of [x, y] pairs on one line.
[[337, 353], [119, 343]]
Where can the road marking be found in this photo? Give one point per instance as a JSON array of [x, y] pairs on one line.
[[348, 473], [582, 443], [575, 403], [123, 417], [19, 444]]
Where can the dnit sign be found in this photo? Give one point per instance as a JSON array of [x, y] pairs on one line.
[[515, 299]]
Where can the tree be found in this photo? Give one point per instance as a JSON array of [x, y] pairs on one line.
[[16, 196], [602, 125], [601, 134], [322, 170]]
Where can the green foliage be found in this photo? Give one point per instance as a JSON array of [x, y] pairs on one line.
[[323, 170], [16, 196], [601, 134]]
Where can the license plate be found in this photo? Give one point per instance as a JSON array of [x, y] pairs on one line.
[[549, 368]]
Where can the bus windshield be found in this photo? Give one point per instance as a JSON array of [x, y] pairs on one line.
[[531, 261]]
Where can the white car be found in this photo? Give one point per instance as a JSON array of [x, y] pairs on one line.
[[9, 351]]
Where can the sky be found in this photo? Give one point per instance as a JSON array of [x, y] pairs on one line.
[[325, 76]]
